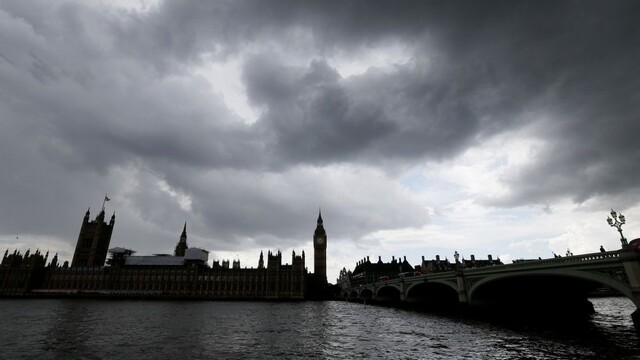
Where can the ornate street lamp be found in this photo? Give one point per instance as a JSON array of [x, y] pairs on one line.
[[617, 223]]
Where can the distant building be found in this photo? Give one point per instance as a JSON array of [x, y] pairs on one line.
[[124, 257], [320, 253], [437, 265], [368, 272], [20, 273], [182, 247], [185, 274], [93, 241]]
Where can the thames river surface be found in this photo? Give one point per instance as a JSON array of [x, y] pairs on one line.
[[119, 329]]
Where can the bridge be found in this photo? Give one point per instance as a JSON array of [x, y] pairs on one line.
[[559, 283]]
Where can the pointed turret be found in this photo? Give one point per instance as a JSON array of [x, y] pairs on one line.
[[320, 254], [54, 261], [182, 247], [319, 227], [93, 241], [261, 261]]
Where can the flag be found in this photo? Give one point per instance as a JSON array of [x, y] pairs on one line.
[[106, 198]]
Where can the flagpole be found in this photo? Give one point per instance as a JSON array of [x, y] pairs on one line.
[[103, 201]]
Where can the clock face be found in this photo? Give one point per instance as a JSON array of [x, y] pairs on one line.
[[320, 240]]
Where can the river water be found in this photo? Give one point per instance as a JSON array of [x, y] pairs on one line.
[[100, 329]]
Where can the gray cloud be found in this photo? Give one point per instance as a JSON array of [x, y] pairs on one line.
[[93, 98], [311, 116]]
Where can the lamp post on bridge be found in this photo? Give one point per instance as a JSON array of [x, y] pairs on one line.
[[631, 262], [617, 223]]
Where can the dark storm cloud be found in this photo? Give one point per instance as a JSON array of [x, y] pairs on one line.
[[311, 116], [315, 116], [567, 66], [86, 90], [103, 108], [476, 70], [584, 158]]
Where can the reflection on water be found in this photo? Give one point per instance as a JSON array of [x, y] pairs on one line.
[[93, 329]]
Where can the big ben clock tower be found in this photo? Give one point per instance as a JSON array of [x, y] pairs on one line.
[[320, 253]]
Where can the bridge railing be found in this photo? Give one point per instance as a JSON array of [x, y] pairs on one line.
[[599, 257], [593, 257]]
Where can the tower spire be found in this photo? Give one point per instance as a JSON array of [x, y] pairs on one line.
[[320, 255], [182, 247], [320, 228]]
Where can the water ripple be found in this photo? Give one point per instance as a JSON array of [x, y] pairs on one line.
[[83, 329]]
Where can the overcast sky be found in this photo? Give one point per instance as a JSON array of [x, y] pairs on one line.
[[419, 128]]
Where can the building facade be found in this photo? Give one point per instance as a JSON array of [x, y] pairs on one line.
[[185, 274], [320, 253], [182, 247], [93, 241], [188, 279]]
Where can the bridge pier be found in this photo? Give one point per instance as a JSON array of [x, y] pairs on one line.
[[463, 297], [631, 261]]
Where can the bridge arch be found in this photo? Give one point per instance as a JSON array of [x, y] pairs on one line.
[[432, 294], [551, 295], [449, 284], [586, 277], [388, 294], [366, 294]]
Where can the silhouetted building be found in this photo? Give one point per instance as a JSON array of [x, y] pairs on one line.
[[437, 265], [368, 272], [320, 254], [19, 274], [93, 241], [185, 274], [182, 247]]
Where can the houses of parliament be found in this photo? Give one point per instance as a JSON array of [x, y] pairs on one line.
[[99, 271]]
